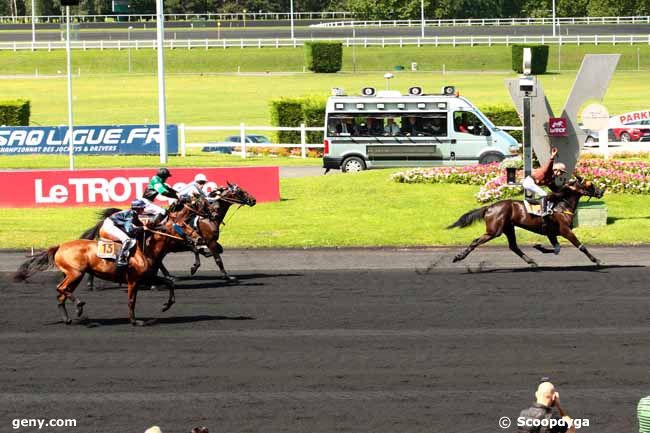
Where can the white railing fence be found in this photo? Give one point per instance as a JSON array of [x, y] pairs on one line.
[[243, 131], [559, 21], [363, 42]]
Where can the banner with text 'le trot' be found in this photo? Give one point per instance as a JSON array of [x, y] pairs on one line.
[[118, 187]]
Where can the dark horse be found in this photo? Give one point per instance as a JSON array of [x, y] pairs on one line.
[[78, 257], [502, 218]]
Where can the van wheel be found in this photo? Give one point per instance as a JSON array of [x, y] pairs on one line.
[[353, 164], [491, 157]]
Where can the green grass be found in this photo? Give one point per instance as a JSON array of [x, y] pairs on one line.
[[362, 210], [110, 161], [219, 60]]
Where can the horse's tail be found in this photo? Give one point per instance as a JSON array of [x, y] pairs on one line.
[[38, 263], [93, 232], [470, 218]]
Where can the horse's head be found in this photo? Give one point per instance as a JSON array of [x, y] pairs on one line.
[[233, 193], [585, 188]]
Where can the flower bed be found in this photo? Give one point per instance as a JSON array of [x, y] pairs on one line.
[[630, 177]]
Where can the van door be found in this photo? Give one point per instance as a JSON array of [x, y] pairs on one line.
[[471, 134]]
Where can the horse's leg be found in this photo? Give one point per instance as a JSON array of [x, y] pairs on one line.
[[196, 265], [512, 243], [556, 246], [486, 237], [219, 262], [172, 297], [65, 287], [91, 282], [133, 295], [567, 233]]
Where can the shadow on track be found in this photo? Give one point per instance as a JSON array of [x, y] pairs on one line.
[[175, 320], [581, 268]]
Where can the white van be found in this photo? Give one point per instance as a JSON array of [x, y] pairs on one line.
[[388, 129]]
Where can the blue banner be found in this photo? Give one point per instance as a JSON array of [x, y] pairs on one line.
[[89, 140]]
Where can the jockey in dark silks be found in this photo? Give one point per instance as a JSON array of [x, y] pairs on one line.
[[124, 226], [157, 186]]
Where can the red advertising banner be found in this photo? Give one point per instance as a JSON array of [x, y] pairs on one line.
[[117, 187], [557, 127]]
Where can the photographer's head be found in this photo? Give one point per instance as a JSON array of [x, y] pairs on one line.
[[546, 394]]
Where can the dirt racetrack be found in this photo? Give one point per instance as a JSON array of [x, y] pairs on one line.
[[327, 351]]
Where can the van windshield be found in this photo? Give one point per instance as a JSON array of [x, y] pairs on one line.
[[387, 124]]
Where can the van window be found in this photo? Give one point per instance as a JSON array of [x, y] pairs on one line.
[[469, 123], [387, 124]]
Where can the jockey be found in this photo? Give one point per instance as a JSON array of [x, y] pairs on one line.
[[194, 189], [544, 176], [157, 186], [123, 226]]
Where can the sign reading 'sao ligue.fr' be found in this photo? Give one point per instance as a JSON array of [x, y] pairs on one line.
[[118, 187]]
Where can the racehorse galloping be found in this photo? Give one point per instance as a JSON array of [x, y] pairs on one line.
[[75, 258], [209, 217], [502, 218]]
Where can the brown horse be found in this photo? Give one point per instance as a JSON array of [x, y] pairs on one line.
[[502, 218], [75, 258], [208, 216]]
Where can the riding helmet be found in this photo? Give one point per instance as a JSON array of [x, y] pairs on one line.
[[200, 178], [560, 167], [138, 204], [164, 173]]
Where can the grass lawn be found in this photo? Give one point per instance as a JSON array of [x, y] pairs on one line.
[[365, 209]]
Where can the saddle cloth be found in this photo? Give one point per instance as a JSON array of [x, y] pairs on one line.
[[108, 249], [533, 207]]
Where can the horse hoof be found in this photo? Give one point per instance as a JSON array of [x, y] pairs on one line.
[[231, 279], [80, 312], [598, 263], [167, 306], [137, 323], [533, 264], [538, 247], [457, 259], [193, 270], [67, 321]]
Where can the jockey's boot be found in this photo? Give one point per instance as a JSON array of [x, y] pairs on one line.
[[123, 259], [546, 207]]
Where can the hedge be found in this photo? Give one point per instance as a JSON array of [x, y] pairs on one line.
[[14, 113], [538, 63], [324, 56], [503, 115], [291, 112]]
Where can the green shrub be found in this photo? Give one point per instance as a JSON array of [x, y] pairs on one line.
[[324, 56], [14, 113], [538, 63], [503, 115], [286, 112], [313, 114]]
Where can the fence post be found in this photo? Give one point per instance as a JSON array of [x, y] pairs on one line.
[[181, 131], [303, 141], [242, 139]]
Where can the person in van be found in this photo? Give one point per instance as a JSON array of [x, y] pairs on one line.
[[460, 124], [435, 127], [410, 126], [391, 127]]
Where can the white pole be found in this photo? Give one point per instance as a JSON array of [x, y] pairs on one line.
[[33, 23], [162, 112], [553, 18], [291, 15], [129, 31], [422, 16], [67, 51]]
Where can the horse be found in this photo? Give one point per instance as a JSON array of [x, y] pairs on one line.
[[78, 257], [209, 216], [502, 218]]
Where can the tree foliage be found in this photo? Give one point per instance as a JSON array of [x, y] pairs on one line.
[[363, 9]]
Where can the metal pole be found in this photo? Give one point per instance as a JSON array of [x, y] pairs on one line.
[[422, 16], [354, 50], [291, 16], [553, 18], [162, 112], [33, 23], [69, 62], [129, 32], [528, 150]]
